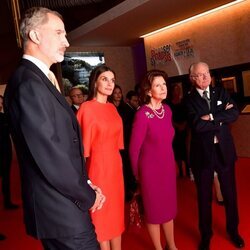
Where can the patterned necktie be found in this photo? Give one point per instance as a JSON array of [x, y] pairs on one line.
[[205, 96], [53, 79]]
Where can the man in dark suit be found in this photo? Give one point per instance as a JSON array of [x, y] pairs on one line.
[[127, 112], [210, 113], [55, 192]]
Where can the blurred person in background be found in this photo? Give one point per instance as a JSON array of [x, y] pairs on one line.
[[117, 99], [181, 130], [132, 99], [77, 97], [127, 113]]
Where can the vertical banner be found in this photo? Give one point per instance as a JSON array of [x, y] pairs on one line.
[[176, 57]]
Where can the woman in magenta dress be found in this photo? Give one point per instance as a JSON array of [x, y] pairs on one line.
[[152, 158], [102, 134]]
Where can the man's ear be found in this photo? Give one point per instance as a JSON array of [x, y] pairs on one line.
[[34, 36]]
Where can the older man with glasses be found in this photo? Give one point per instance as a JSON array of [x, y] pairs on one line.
[[77, 98], [210, 113]]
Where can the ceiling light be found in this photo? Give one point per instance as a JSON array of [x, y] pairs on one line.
[[192, 18]]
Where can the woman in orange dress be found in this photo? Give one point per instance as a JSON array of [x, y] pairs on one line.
[[102, 134]]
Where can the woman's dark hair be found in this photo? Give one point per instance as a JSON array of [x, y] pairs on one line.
[[147, 81], [110, 98], [96, 72]]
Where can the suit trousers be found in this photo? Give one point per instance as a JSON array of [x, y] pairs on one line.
[[204, 184], [83, 241]]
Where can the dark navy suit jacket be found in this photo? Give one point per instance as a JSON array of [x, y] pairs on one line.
[[56, 196], [203, 132]]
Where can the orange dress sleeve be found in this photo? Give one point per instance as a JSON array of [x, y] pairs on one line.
[[120, 142], [86, 126]]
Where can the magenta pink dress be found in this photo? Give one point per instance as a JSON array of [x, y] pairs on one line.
[[153, 164]]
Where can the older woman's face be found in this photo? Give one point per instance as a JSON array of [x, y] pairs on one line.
[[158, 89], [105, 83]]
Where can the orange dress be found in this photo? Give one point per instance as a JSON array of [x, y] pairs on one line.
[[102, 135]]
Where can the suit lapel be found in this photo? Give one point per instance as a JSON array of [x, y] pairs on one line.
[[60, 98], [199, 101], [213, 98]]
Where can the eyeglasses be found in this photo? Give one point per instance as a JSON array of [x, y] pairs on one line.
[[200, 75], [77, 95]]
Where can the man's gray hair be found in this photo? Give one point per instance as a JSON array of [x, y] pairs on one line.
[[194, 65], [33, 18]]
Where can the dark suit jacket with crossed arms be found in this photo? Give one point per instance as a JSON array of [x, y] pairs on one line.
[[56, 196], [203, 132]]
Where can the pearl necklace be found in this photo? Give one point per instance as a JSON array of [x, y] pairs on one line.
[[160, 114]]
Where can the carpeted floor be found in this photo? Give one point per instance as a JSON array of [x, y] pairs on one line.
[[186, 232]]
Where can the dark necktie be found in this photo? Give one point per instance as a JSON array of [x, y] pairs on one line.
[[205, 96]]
